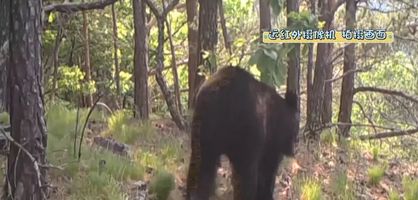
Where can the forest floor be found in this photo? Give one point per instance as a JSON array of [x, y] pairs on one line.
[[328, 169]]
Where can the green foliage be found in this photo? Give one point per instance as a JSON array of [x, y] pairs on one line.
[[270, 60], [4, 118], [410, 187], [126, 84], [72, 81], [375, 174], [161, 185], [375, 152], [303, 21], [311, 190]]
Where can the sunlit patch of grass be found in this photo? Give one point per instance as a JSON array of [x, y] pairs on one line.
[[124, 129], [161, 185], [394, 195], [328, 137], [94, 186], [310, 189], [410, 187], [375, 174], [341, 187]]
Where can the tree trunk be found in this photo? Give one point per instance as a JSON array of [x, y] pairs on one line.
[[174, 69], [87, 70], [347, 87], [115, 55], [293, 73], [192, 36], [310, 65], [25, 179], [321, 97], [140, 61], [265, 17], [4, 53], [55, 61]]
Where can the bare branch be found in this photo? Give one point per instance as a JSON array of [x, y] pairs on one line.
[[386, 91], [389, 134], [74, 7], [346, 73]]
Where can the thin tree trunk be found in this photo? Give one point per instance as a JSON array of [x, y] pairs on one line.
[[140, 61], [192, 36], [293, 73], [227, 41], [347, 87], [115, 54], [208, 36], [4, 53], [28, 130], [87, 70], [327, 110], [310, 65], [265, 16], [174, 69], [55, 61]]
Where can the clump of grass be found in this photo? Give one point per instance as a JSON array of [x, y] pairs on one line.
[[375, 152], [341, 187], [311, 190], [125, 130], [410, 187], [4, 118], [375, 174], [161, 185], [328, 137], [394, 195]]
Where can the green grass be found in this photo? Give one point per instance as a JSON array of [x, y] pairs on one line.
[[328, 137], [126, 130], [310, 190], [375, 152], [341, 187], [87, 180], [375, 174], [410, 187], [394, 195], [161, 185]]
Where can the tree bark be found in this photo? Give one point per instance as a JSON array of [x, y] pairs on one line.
[[293, 73], [320, 104], [4, 53], [310, 65], [115, 54], [140, 61], [69, 7], [192, 36], [265, 17], [28, 129], [86, 69], [347, 87], [227, 40]]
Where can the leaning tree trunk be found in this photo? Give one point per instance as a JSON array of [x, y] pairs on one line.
[[192, 37], [347, 87], [140, 61], [26, 179]]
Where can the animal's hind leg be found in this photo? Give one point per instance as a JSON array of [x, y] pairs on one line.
[[267, 174], [244, 177]]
